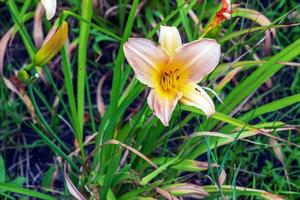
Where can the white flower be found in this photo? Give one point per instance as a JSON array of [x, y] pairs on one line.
[[172, 70]]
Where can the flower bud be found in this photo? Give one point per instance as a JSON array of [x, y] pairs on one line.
[[52, 47]]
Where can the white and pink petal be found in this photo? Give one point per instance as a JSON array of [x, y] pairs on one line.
[[194, 95], [163, 105], [169, 39], [145, 58], [197, 58]]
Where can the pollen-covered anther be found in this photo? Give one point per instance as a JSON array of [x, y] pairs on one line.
[[169, 79]]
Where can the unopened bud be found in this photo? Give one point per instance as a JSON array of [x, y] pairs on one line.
[[52, 47]]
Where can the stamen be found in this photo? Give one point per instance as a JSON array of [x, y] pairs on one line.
[[169, 79]]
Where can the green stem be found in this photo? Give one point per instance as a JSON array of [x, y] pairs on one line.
[[117, 77], [185, 21], [70, 93], [89, 98], [67, 13], [107, 121], [25, 7], [82, 57], [69, 83], [44, 122], [55, 148], [23, 32]]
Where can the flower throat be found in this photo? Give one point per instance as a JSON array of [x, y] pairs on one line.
[[169, 79]]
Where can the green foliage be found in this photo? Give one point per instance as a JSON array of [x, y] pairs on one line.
[[2, 170], [127, 153]]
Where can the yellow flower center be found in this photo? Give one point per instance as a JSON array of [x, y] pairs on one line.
[[169, 79]]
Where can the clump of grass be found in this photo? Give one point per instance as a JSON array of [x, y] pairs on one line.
[[87, 107]]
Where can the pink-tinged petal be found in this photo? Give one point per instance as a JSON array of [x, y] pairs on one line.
[[169, 39], [145, 58], [194, 95], [197, 58], [50, 8], [163, 105]]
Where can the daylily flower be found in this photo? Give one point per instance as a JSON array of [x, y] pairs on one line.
[[50, 7], [172, 71]]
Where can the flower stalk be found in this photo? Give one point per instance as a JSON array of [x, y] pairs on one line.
[[82, 58]]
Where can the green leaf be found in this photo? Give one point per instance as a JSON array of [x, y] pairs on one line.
[[132, 194], [224, 118], [267, 108], [2, 170], [185, 165], [242, 191], [47, 178], [19, 181], [156, 172], [271, 107], [54, 147], [20, 190], [185, 21], [256, 79]]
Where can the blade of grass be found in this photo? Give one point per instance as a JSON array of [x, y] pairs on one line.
[[2, 170], [256, 79], [185, 21], [86, 14], [70, 91], [155, 173], [271, 107], [164, 21], [267, 108], [54, 147], [20, 190], [117, 78], [250, 30], [24, 33], [232, 121], [67, 13], [91, 112], [44, 122], [242, 191]]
